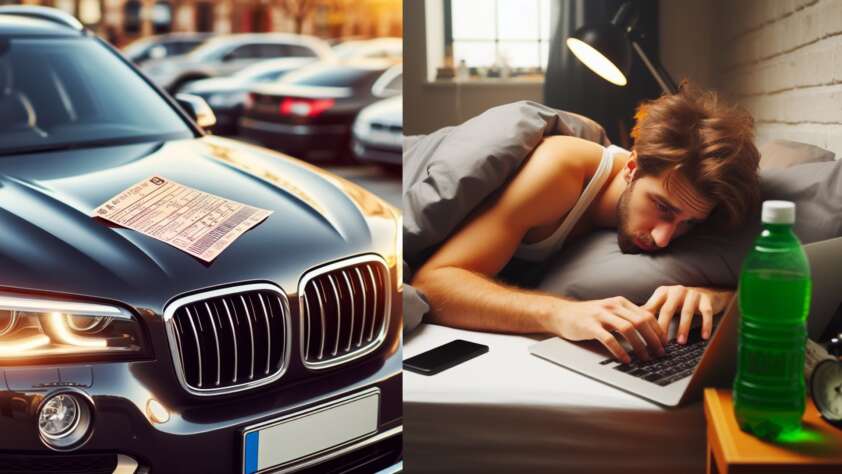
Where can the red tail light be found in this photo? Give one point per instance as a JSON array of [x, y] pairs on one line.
[[305, 107], [249, 102]]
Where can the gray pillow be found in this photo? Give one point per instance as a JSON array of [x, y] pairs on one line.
[[594, 267]]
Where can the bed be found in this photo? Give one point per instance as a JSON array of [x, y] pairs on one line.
[[508, 411]]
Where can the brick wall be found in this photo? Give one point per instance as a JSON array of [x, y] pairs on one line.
[[782, 60]]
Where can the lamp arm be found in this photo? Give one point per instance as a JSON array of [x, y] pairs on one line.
[[661, 75]]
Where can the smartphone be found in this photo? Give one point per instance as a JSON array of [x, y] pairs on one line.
[[444, 357]]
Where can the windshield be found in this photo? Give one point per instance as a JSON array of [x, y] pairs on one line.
[[210, 51], [333, 76], [51, 98], [271, 69]]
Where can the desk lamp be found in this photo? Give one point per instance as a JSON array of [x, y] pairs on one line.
[[606, 49]]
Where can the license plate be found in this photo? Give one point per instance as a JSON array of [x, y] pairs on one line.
[[311, 432]]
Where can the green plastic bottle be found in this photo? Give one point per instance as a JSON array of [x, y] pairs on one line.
[[774, 299]]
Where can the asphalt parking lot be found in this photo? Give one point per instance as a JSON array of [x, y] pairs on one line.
[[382, 182]]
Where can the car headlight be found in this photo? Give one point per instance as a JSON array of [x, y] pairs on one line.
[[33, 328], [361, 126]]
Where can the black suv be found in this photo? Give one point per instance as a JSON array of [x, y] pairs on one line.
[[119, 352]]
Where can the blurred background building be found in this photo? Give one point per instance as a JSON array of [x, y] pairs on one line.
[[123, 21]]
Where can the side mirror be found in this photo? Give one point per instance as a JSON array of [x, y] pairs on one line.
[[198, 110]]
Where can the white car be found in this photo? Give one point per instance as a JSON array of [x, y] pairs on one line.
[[378, 132], [378, 48], [225, 55]]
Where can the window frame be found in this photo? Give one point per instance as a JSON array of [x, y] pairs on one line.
[[540, 68]]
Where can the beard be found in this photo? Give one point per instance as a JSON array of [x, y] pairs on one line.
[[625, 236]]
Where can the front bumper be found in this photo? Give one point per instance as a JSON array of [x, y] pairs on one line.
[[367, 152], [200, 436], [309, 142]]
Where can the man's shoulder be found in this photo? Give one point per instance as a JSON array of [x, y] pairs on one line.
[[564, 154], [549, 183]]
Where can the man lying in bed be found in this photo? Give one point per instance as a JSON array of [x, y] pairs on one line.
[[693, 159]]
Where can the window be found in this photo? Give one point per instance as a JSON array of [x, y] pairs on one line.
[[131, 17], [270, 50], [204, 17], [61, 101], [298, 51], [162, 17], [248, 51], [485, 32]]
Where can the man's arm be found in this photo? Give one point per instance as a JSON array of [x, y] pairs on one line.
[[457, 279]]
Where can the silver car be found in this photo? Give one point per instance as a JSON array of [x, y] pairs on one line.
[[225, 55], [377, 48], [378, 132]]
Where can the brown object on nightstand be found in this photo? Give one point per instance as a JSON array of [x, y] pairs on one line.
[[816, 449]]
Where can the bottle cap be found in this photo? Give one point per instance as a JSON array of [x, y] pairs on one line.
[[778, 212]]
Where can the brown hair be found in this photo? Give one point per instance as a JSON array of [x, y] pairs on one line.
[[710, 143]]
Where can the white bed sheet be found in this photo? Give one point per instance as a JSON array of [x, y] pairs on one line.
[[509, 411]]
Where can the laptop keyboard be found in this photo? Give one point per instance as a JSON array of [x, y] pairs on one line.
[[679, 362]]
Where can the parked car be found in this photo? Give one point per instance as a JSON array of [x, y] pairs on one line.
[[378, 48], [309, 113], [119, 349], [163, 46], [378, 133], [227, 54], [226, 95]]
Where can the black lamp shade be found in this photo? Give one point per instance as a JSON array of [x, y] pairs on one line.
[[611, 43]]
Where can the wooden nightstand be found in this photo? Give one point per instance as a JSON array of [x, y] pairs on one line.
[[817, 449]]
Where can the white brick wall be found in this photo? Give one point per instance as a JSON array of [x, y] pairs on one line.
[[782, 60]]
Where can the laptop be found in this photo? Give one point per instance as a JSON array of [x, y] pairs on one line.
[[686, 369]]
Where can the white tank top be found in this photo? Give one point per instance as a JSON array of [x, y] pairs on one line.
[[544, 248]]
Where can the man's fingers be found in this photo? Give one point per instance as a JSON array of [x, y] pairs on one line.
[[691, 302], [648, 315], [613, 345], [647, 326], [674, 297], [706, 308], [656, 300], [629, 333]]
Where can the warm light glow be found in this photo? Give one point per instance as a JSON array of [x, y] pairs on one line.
[[597, 63], [17, 348], [59, 330]]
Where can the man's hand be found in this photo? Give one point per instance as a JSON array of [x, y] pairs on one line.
[[599, 319], [667, 300]]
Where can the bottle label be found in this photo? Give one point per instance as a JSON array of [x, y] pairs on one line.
[[770, 363]]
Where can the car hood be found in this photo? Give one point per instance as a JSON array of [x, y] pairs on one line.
[[51, 244]]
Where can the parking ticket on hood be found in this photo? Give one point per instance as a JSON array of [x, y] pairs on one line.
[[199, 223]]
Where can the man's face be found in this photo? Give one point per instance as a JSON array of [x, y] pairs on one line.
[[653, 211]]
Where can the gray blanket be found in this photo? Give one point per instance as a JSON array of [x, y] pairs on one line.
[[448, 173]]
